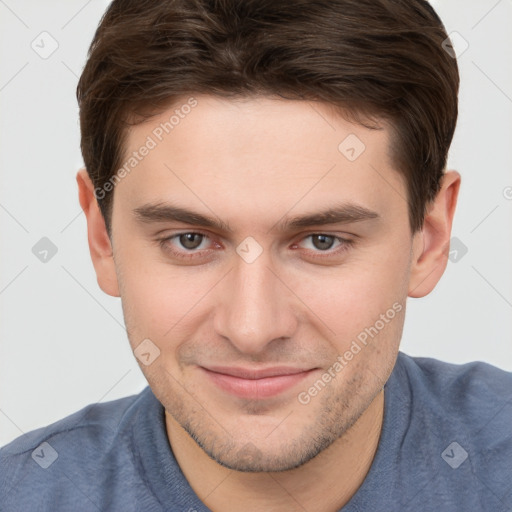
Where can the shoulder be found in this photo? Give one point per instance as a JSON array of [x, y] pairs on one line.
[[459, 415], [90, 443], [469, 391], [100, 420]]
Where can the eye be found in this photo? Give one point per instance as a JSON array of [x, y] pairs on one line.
[[190, 240], [321, 242], [190, 245], [185, 245]]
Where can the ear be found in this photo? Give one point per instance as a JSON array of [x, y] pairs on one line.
[[99, 241], [431, 245]]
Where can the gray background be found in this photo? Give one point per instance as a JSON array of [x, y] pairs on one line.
[[63, 343]]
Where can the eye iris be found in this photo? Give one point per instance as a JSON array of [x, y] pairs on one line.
[[325, 241], [187, 240]]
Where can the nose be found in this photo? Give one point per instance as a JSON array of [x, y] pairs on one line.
[[254, 308]]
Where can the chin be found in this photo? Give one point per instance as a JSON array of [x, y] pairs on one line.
[[248, 457]]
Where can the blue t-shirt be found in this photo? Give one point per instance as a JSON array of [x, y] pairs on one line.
[[446, 445]]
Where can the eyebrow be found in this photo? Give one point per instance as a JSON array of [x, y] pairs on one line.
[[339, 214]]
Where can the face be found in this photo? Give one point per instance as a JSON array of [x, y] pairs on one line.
[[269, 266]]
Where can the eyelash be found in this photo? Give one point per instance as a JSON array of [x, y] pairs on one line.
[[164, 243]]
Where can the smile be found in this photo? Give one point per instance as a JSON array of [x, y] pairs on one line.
[[256, 384]]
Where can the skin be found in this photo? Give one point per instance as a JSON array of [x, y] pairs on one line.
[[252, 163]]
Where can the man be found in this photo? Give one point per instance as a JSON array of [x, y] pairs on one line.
[[265, 186]]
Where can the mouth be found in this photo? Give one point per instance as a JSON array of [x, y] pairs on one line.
[[256, 384]]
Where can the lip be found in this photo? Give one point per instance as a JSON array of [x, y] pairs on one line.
[[258, 383]]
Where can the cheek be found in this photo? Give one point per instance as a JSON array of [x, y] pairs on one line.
[[159, 301], [149, 300], [152, 306], [363, 301]]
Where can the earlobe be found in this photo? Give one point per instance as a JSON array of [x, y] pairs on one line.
[[100, 245], [431, 245]]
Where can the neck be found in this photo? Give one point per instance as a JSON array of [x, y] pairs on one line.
[[324, 484]]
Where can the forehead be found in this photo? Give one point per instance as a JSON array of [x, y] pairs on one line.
[[250, 124], [257, 153]]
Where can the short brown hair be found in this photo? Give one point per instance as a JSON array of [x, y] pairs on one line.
[[381, 59]]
